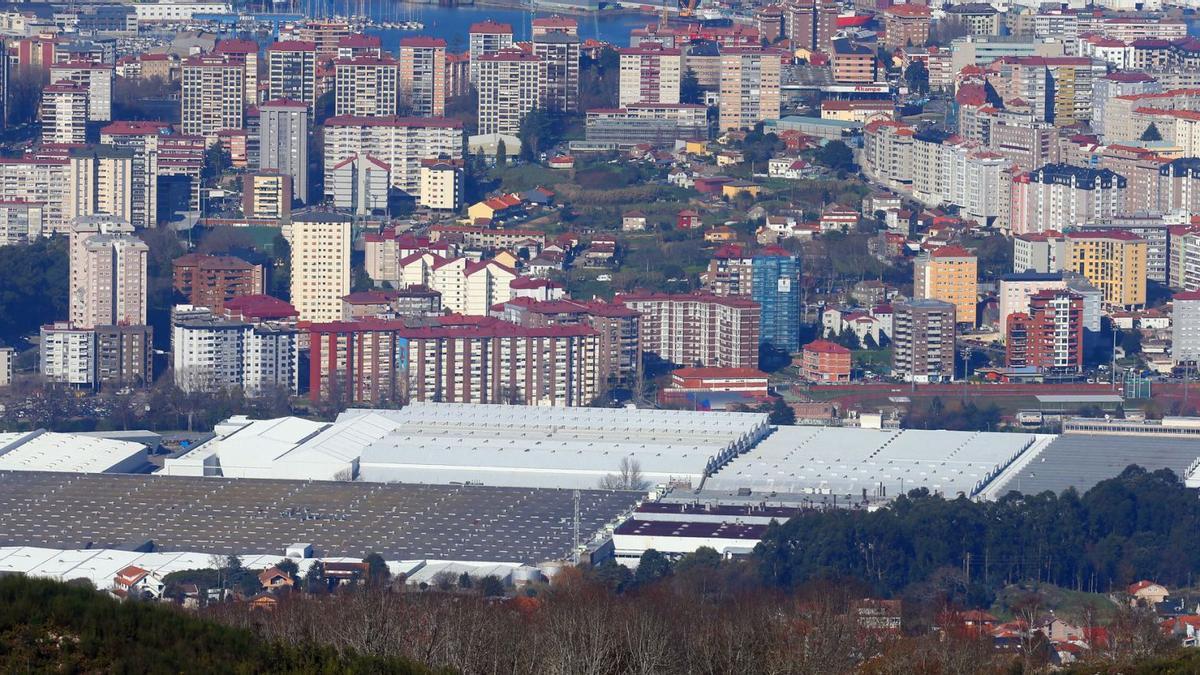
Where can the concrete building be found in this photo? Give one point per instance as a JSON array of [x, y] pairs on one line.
[[402, 143], [509, 89], [37, 180], [108, 273], [1106, 88], [950, 274], [558, 84], [21, 222], [1016, 289], [1042, 252], [923, 334], [441, 186], [67, 354], [906, 26], [320, 243], [422, 76], [292, 72], [703, 330], [124, 356], [825, 362], [659, 124], [1048, 335], [1153, 229], [97, 78], [267, 194], [749, 91], [366, 87], [100, 180], [853, 63], [210, 281], [214, 96], [143, 139], [64, 113], [649, 74], [775, 286], [1060, 196], [210, 353], [812, 24], [283, 128], [1185, 327], [487, 37], [8, 358], [360, 184], [620, 346], [1113, 261], [244, 53]]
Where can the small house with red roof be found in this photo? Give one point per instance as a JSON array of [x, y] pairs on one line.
[[135, 582], [688, 219], [1146, 593]]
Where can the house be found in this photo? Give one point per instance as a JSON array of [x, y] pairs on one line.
[[1146, 593], [562, 162], [838, 219], [495, 208], [538, 196], [711, 185], [688, 219], [273, 578], [633, 221], [978, 622], [345, 572], [1186, 629], [721, 234], [730, 158], [732, 189], [135, 582], [680, 178], [600, 253], [876, 614], [790, 168]]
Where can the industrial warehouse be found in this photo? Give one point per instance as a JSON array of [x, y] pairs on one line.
[[495, 484]]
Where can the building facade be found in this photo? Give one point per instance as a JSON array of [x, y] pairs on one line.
[[923, 335]]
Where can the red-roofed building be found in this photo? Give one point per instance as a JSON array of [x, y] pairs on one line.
[[256, 308], [698, 329], [135, 582], [825, 362], [618, 327]]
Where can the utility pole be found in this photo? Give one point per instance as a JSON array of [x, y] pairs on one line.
[[575, 524]]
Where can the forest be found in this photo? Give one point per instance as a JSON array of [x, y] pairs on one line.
[[1139, 525]]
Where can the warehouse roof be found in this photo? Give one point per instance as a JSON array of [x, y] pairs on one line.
[[1082, 460], [43, 450]]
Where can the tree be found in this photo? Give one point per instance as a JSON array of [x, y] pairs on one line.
[[628, 477], [377, 569], [652, 566], [464, 581], [703, 558], [216, 162], [501, 153], [689, 88], [1131, 342], [917, 77], [491, 587], [281, 268], [314, 578], [781, 413], [288, 567], [540, 131], [836, 155], [1152, 133]]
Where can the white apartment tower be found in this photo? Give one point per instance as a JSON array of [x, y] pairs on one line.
[[214, 96], [320, 244], [509, 88]]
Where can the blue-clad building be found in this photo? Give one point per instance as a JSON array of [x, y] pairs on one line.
[[775, 285]]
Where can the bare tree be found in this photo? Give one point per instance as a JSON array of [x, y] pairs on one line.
[[628, 477]]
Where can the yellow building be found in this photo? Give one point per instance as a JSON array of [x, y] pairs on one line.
[[320, 244], [949, 274], [441, 186], [738, 187], [696, 147], [1113, 261]]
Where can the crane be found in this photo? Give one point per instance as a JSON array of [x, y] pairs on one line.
[[686, 7]]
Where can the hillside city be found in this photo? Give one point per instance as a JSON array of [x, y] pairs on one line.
[[719, 336]]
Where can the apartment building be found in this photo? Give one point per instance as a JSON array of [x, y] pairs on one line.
[[366, 86], [487, 37], [320, 243], [360, 184], [1048, 335], [107, 273], [1112, 85], [292, 72], [441, 186], [558, 85], [244, 53], [812, 24], [853, 63], [699, 329], [402, 143], [124, 356], [283, 129], [658, 124], [649, 74], [775, 286], [142, 139], [509, 89], [214, 96], [67, 354], [923, 335], [1185, 327], [100, 180], [41, 181], [825, 362], [20, 222], [620, 347], [906, 26], [949, 274], [97, 78], [1113, 261], [422, 76], [1043, 252], [326, 35], [210, 352], [488, 361], [211, 280], [64, 113], [749, 91], [1060, 196]]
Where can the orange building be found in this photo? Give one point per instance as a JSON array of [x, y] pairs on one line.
[[825, 362], [950, 274]]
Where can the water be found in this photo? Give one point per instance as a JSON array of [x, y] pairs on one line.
[[452, 23]]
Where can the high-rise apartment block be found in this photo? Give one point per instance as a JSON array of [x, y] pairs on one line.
[[775, 286], [487, 37], [1060, 196], [245, 54], [811, 24], [1185, 327], [950, 274], [422, 76], [402, 143], [749, 86], [509, 89], [650, 73], [441, 186], [107, 273], [100, 180], [707, 330], [906, 25], [1113, 261], [283, 129], [214, 96], [559, 84], [923, 334], [366, 86], [320, 244], [1049, 335], [211, 352], [267, 193], [292, 72], [97, 78], [64, 113], [620, 348]]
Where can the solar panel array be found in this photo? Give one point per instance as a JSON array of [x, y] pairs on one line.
[[846, 461], [1082, 460], [224, 516]]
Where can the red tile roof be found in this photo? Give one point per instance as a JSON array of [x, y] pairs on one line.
[[825, 347]]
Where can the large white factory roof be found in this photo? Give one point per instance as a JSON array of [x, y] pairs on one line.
[[554, 447], [49, 451], [846, 461]]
